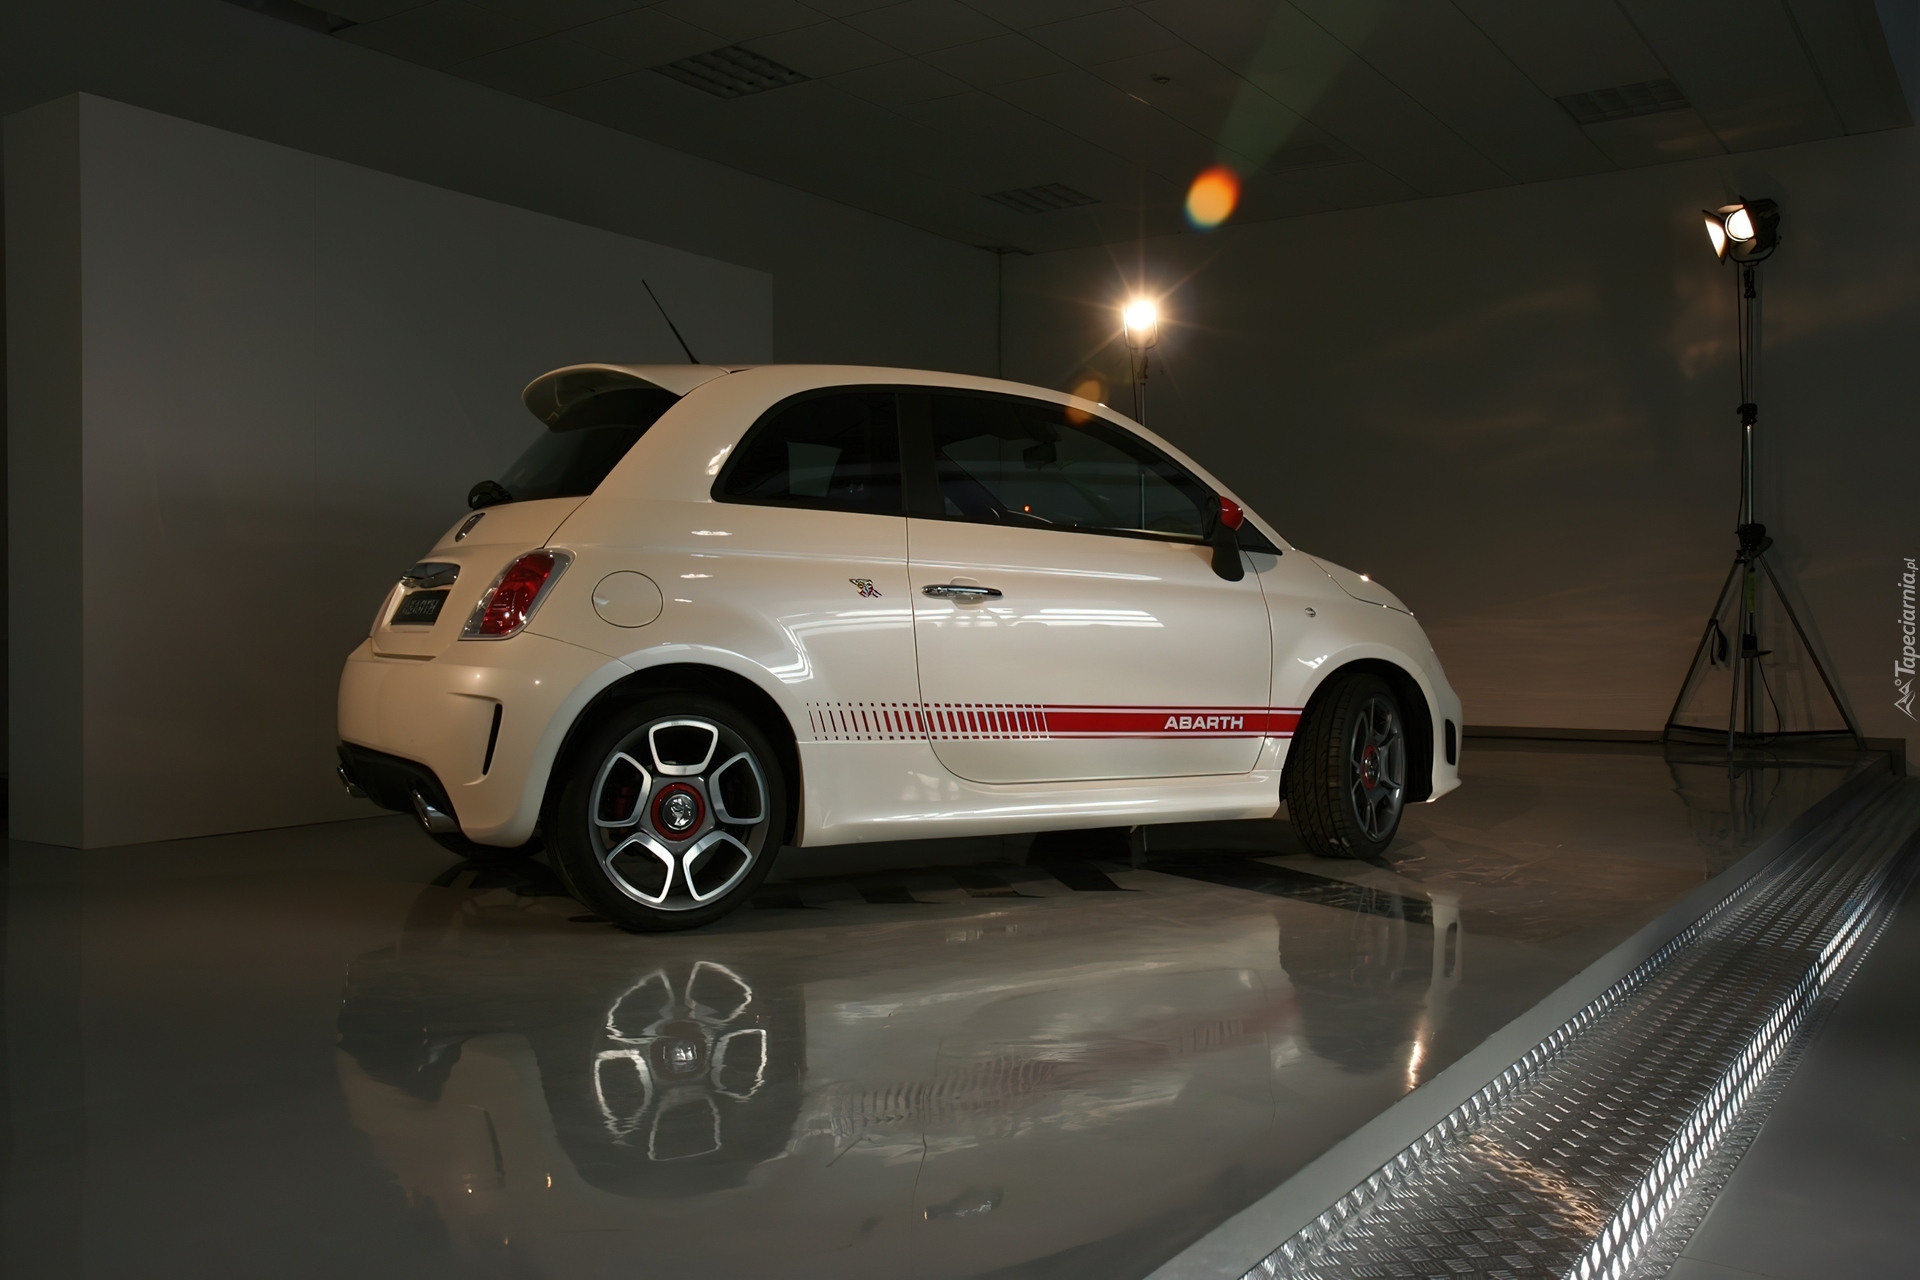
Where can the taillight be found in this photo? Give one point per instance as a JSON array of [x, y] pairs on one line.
[[507, 606]]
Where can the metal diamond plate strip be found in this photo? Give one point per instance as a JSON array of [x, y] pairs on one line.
[[1597, 1153]]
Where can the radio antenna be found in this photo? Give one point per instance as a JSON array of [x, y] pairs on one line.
[[670, 324]]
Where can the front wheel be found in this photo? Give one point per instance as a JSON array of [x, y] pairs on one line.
[[1347, 774], [669, 813]]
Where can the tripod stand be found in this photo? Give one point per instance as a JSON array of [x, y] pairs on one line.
[[1746, 718]]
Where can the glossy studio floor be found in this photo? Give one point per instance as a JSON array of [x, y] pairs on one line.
[[330, 1051]]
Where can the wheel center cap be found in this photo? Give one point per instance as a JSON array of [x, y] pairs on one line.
[[677, 810], [1370, 767]]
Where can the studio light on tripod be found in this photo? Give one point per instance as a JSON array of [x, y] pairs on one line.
[[1746, 232], [1140, 318]]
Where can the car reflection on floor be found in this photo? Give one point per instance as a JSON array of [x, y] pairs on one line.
[[920, 1061], [947, 1096]]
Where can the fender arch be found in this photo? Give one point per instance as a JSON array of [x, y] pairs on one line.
[[687, 671], [1416, 701]]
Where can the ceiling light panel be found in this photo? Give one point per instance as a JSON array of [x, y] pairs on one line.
[[1623, 102], [1050, 198], [732, 72]]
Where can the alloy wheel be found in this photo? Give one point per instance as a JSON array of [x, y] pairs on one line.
[[679, 813], [1376, 757]]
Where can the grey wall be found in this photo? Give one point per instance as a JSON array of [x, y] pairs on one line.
[[845, 285], [1515, 408], [289, 370], [848, 286], [43, 388]]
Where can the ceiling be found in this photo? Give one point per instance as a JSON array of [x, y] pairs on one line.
[[923, 110]]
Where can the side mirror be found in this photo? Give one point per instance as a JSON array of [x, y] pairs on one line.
[[1223, 535], [488, 493]]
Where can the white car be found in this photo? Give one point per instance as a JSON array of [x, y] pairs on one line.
[[713, 611]]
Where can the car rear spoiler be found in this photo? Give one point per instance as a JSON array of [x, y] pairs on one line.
[[550, 395]]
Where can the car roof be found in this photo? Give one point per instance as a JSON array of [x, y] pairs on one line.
[[552, 393]]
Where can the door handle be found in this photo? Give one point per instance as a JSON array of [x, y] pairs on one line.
[[951, 591]]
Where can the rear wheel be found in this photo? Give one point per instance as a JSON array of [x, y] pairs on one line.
[[669, 813], [1347, 774]]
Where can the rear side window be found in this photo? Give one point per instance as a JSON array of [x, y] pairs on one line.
[[1003, 460], [838, 452], [572, 457]]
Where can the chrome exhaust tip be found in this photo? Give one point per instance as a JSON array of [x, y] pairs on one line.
[[435, 821], [346, 780]]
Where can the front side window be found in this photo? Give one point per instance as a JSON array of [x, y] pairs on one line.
[[1026, 462], [839, 452]]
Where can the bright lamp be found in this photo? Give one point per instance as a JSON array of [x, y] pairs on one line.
[[1746, 231], [1142, 320]]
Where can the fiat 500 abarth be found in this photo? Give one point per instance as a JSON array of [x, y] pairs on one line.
[[715, 611]]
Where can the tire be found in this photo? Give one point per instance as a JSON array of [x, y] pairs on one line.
[[668, 813], [1347, 773]]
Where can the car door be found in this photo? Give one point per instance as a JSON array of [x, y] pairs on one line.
[[812, 539], [1067, 618]]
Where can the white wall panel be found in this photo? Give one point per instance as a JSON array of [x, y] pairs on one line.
[[291, 370]]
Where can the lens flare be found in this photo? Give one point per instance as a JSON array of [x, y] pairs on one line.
[[1211, 198], [1090, 387]]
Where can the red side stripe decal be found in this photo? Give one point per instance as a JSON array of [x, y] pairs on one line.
[[983, 721]]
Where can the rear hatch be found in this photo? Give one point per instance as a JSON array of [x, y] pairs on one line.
[[593, 413], [424, 612]]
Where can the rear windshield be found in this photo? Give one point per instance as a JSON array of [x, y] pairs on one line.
[[572, 457]]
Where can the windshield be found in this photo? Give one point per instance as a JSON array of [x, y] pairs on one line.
[[571, 458]]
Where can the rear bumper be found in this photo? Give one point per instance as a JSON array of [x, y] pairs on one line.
[[439, 717], [391, 782]]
